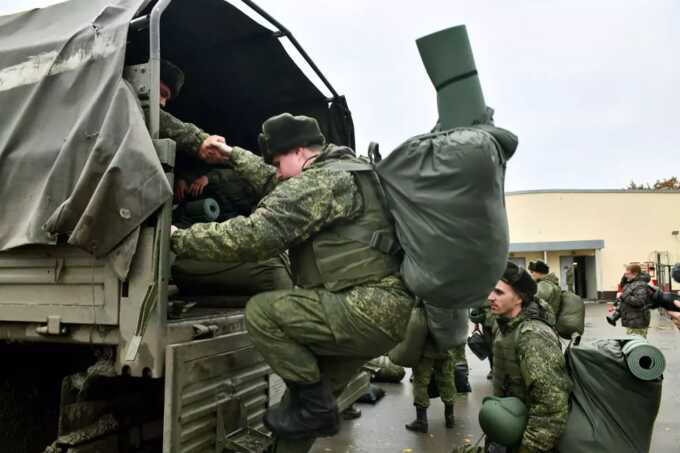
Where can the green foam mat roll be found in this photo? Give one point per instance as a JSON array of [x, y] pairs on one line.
[[645, 362], [206, 210]]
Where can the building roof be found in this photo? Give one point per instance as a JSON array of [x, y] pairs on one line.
[[556, 245]]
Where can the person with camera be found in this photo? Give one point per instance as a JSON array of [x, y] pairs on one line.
[[675, 315], [634, 307]]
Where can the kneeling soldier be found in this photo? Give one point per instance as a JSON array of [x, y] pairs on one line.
[[528, 361]]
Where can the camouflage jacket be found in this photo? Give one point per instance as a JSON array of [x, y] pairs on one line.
[[634, 310], [288, 213], [548, 289], [188, 136], [544, 378]]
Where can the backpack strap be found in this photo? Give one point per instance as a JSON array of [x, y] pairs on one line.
[[383, 241]]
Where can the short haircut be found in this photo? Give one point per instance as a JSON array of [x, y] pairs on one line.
[[634, 268]]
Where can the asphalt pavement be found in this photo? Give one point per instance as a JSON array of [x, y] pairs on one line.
[[381, 427]]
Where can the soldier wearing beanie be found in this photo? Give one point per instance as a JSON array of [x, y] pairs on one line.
[[528, 361], [320, 202], [548, 285]]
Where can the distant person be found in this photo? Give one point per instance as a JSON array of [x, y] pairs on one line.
[[548, 285], [570, 277], [675, 315], [635, 315], [440, 367]]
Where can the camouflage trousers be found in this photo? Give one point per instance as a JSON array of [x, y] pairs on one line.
[[304, 334], [442, 372], [441, 369], [642, 331], [457, 354]]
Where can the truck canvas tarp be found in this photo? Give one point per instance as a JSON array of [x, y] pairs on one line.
[[76, 158]]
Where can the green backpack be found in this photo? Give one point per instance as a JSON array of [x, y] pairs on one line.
[[572, 316]]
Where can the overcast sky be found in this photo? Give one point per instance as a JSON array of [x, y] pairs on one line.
[[592, 89]]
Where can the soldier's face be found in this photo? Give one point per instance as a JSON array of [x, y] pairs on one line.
[[505, 301], [289, 164]]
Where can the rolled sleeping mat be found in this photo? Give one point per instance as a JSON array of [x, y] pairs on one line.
[[645, 362], [450, 64], [205, 210]]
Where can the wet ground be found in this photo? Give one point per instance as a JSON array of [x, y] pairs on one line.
[[381, 427]]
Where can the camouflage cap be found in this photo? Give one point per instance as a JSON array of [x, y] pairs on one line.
[[172, 76], [520, 280], [284, 132]]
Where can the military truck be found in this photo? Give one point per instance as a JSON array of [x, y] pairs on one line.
[[100, 354]]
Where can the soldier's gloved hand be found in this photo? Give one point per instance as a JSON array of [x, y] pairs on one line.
[[675, 315], [211, 150], [181, 189], [198, 185]]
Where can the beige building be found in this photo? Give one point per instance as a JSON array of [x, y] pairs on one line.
[[598, 232]]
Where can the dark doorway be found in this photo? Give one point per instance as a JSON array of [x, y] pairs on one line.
[[580, 276]]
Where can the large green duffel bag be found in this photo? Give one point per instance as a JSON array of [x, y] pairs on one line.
[[572, 316], [611, 409], [213, 278]]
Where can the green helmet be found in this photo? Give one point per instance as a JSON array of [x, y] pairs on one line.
[[503, 420], [449, 62]]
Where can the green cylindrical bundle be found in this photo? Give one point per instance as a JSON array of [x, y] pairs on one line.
[[645, 362], [206, 210], [447, 56]]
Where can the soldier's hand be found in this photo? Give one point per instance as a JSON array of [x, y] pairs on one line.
[[675, 315], [181, 189], [173, 228], [198, 185], [213, 150]]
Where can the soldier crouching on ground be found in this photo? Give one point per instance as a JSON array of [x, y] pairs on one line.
[[528, 361], [349, 305]]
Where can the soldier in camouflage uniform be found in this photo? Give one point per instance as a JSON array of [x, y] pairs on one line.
[[201, 171], [528, 361], [437, 366], [190, 139], [635, 315], [548, 285], [349, 306]]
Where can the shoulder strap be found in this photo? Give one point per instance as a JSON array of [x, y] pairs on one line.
[[383, 241]]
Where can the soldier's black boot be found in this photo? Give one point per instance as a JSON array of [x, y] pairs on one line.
[[420, 423], [448, 415], [311, 412]]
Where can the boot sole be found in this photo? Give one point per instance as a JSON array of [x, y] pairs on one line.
[[306, 435]]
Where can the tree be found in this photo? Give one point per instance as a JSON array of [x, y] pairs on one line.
[[671, 184]]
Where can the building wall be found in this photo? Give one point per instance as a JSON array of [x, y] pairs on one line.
[[633, 225]]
